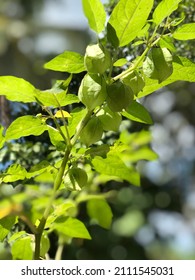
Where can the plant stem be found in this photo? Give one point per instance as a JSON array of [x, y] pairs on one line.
[[58, 255], [137, 63], [28, 222], [57, 183]]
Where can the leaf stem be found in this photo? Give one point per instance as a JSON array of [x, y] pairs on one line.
[[64, 121], [137, 63], [57, 124], [57, 183]]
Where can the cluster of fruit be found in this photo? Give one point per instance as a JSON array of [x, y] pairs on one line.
[[112, 97]]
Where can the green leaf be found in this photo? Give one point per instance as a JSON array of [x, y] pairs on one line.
[[76, 179], [114, 166], [56, 138], [22, 248], [54, 99], [38, 169], [128, 18], [63, 84], [183, 70], [5, 226], [120, 62], [95, 13], [137, 112], [17, 89], [177, 21], [101, 150], [100, 212], [25, 126], [167, 42], [70, 62], [136, 139], [45, 245], [46, 176], [129, 223], [60, 114], [164, 9], [64, 209], [71, 227], [16, 236], [185, 32], [135, 155], [14, 173], [77, 115]]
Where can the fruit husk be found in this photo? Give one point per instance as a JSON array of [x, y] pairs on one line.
[[92, 132], [119, 96], [110, 120], [92, 91], [158, 64], [97, 59]]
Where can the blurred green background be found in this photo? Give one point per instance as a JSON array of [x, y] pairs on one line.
[[155, 221]]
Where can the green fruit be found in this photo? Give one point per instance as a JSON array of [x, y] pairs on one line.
[[110, 120], [135, 81], [119, 96], [76, 178], [97, 59], [92, 91], [158, 64], [92, 132]]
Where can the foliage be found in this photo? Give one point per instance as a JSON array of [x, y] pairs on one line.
[[90, 144]]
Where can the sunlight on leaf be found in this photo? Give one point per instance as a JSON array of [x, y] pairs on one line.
[[128, 224], [100, 212], [164, 9], [71, 227], [185, 32], [14, 173], [22, 248], [114, 166], [95, 13], [62, 114], [5, 225], [128, 18], [25, 126], [183, 70], [17, 89], [70, 62]]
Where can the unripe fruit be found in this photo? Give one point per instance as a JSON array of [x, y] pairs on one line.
[[92, 91], [119, 96], [110, 120], [97, 59], [92, 132], [158, 64], [76, 178], [135, 81]]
